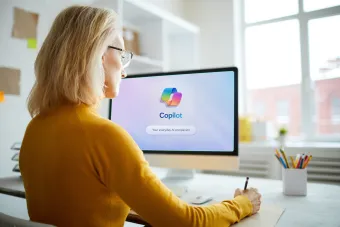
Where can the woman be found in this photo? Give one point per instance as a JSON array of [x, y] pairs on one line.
[[83, 170]]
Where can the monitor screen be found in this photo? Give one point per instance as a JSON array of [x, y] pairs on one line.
[[183, 112]]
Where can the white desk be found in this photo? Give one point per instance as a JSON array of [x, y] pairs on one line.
[[320, 207]]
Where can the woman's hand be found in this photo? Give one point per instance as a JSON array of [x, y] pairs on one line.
[[254, 197]]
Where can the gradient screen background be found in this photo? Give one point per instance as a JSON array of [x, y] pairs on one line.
[[206, 108]]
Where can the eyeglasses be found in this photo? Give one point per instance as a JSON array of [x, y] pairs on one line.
[[126, 56]]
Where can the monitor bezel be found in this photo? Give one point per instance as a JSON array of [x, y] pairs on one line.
[[236, 121]]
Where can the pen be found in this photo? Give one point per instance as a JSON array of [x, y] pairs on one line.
[[246, 183]]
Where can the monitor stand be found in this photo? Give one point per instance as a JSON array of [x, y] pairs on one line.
[[177, 181]]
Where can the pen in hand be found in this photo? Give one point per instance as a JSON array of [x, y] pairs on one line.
[[246, 184]]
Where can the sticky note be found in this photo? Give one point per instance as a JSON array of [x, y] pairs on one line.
[[2, 96], [25, 24], [32, 44], [10, 80]]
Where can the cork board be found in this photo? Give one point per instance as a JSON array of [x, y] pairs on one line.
[[10, 81], [25, 24]]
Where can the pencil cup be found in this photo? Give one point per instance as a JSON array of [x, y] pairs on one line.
[[294, 182]]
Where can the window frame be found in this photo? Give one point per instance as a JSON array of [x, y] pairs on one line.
[[308, 102]]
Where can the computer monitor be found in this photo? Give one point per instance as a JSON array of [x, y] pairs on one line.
[[182, 120]]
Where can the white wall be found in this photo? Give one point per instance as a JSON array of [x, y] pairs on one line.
[[219, 39], [215, 19], [14, 53], [173, 6]]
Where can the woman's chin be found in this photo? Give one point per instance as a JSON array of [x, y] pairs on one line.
[[111, 95]]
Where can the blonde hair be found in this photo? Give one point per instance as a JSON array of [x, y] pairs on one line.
[[69, 68]]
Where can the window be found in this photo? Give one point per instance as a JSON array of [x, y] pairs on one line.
[[335, 110], [282, 115], [273, 56], [273, 67], [259, 10], [292, 64], [260, 109], [324, 52]]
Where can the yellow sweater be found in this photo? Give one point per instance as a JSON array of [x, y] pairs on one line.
[[80, 169]]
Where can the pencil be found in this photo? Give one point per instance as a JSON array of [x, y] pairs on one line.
[[292, 160], [277, 158], [297, 161], [277, 153], [281, 161], [302, 160], [309, 159], [285, 158], [305, 161]]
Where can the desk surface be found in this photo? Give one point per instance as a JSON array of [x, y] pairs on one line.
[[319, 208]]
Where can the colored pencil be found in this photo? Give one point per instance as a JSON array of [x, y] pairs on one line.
[[297, 158], [277, 153], [285, 158], [292, 160], [305, 161], [309, 159], [280, 160]]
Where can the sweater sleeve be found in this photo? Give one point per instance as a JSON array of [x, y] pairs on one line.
[[128, 174]]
